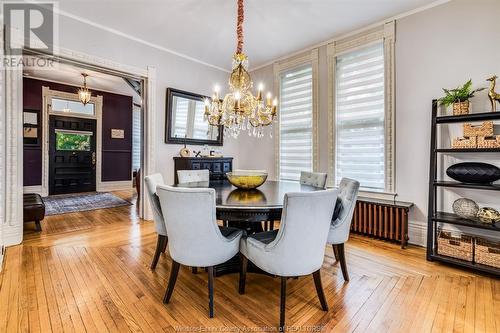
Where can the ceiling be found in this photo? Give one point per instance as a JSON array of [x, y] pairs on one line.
[[205, 29], [71, 75]]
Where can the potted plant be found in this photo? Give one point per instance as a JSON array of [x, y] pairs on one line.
[[459, 98]]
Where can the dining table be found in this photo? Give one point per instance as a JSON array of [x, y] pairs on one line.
[[249, 209]]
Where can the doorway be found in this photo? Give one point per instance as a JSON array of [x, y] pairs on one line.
[[72, 155]]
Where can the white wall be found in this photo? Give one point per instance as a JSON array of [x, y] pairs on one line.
[[440, 47], [171, 71]]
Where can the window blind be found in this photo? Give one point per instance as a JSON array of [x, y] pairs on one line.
[[296, 137], [359, 125], [136, 138], [181, 117]]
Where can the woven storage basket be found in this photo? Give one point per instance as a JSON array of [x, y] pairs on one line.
[[461, 143], [460, 108], [455, 245], [487, 252], [485, 129], [482, 142]]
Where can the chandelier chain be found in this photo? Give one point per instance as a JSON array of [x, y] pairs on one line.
[[239, 27]]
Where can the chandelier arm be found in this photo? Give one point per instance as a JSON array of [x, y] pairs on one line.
[[239, 27]]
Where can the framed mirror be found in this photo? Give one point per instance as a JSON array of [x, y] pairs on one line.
[[185, 121]]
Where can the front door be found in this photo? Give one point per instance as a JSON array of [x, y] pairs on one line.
[[72, 155]]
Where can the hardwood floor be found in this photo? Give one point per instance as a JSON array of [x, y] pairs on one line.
[[89, 271]]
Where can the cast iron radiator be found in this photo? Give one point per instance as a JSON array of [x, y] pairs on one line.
[[382, 219]]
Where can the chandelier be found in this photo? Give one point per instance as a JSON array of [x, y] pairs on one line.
[[84, 92], [240, 110]]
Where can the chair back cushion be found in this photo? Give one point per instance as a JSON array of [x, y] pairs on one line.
[[193, 176], [348, 194], [316, 179], [194, 239], [152, 181], [299, 247]]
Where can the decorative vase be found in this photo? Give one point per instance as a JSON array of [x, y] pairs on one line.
[[465, 208], [460, 108], [474, 172]]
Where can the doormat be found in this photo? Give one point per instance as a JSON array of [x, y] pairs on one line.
[[70, 203]]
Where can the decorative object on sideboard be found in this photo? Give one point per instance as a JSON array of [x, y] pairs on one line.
[[459, 98], [465, 208], [492, 95], [474, 172], [197, 153], [488, 215], [477, 136], [184, 152], [247, 179]]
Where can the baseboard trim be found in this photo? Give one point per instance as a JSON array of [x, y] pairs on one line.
[[115, 186], [33, 189]]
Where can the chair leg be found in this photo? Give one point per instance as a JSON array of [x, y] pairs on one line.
[[282, 304], [38, 226], [243, 273], [271, 225], [211, 291], [335, 252], [342, 260], [160, 244], [165, 244], [174, 271], [319, 290], [194, 270]]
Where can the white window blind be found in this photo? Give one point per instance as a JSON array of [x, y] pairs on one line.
[[359, 125], [296, 123], [136, 137], [181, 117]]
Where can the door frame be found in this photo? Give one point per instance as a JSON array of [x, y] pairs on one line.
[[47, 95], [13, 129]]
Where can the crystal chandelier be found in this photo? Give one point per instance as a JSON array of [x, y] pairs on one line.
[[84, 92], [240, 110]]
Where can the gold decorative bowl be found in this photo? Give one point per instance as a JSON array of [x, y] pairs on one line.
[[247, 179]]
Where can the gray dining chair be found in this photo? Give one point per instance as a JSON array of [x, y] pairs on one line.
[[152, 182], [193, 176], [316, 179], [340, 227], [195, 239], [298, 247]]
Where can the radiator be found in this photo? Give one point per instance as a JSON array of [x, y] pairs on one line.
[[382, 219]]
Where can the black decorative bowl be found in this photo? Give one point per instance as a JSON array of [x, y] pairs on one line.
[[474, 172]]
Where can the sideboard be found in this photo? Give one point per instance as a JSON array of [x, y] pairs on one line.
[[218, 166]]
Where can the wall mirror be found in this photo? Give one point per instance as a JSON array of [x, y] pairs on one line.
[[185, 121]]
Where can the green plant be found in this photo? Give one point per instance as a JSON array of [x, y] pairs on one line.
[[459, 94]]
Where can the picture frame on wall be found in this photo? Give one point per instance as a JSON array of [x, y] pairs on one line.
[[32, 129]]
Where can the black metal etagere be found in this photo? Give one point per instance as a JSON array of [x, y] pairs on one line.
[[434, 216]]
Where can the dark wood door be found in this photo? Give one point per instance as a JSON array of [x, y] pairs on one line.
[[72, 155]]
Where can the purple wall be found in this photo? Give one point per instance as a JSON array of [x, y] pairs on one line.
[[116, 113]]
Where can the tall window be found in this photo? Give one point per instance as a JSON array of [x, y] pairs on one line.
[[360, 117], [136, 137], [296, 122]]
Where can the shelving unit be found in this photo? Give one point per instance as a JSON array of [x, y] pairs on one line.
[[434, 216]]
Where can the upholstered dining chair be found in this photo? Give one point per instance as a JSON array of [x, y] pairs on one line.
[[193, 176], [340, 227], [152, 182], [195, 239], [316, 179], [298, 247]]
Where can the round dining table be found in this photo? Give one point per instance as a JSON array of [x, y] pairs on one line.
[[247, 209]]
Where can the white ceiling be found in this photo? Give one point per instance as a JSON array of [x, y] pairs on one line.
[[71, 75], [205, 29]]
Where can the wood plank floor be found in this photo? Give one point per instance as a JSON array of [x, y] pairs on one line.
[[89, 271]]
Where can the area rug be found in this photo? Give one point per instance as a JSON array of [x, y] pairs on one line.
[[69, 203]]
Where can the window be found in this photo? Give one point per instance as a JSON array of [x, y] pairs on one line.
[[73, 141], [136, 137], [296, 122], [360, 117], [69, 106]]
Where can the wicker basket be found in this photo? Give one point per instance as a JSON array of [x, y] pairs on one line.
[[485, 129], [455, 245], [460, 108], [462, 143], [483, 142], [487, 252]]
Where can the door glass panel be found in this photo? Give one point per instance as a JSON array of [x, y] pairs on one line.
[[73, 141], [68, 106]]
